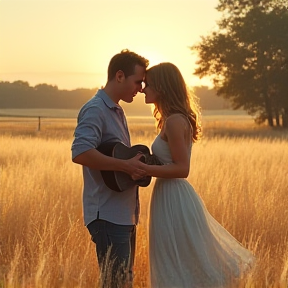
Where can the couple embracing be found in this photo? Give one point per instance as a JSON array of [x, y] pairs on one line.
[[188, 248]]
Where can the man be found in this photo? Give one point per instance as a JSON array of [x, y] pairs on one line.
[[110, 216]]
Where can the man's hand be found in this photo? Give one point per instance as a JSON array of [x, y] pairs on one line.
[[134, 167]]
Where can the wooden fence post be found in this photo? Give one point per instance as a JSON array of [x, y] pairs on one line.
[[39, 123]]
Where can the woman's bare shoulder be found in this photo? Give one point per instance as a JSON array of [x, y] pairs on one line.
[[177, 119]]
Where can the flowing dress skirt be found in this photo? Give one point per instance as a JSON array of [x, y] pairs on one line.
[[188, 248]]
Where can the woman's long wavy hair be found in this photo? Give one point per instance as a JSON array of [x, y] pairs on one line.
[[173, 96]]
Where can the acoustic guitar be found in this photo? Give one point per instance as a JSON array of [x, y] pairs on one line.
[[120, 181]]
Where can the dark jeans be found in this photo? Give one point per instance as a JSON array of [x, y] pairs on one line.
[[115, 248]]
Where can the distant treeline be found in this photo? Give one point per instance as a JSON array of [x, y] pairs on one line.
[[20, 95], [209, 100]]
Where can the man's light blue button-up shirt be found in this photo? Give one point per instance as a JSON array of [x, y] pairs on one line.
[[99, 122]]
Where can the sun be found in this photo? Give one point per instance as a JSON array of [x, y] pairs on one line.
[[154, 57]]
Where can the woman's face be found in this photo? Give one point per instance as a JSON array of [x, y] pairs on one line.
[[150, 94]]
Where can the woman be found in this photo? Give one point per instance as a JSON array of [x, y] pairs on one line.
[[188, 247]]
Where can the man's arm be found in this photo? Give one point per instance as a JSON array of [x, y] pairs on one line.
[[98, 161]]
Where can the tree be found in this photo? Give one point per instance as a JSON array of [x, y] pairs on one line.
[[239, 8], [247, 58]]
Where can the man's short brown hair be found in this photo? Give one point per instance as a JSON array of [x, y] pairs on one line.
[[125, 61]]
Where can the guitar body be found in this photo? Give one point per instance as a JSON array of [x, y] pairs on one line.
[[121, 181]]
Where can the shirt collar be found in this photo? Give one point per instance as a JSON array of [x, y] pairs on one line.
[[107, 100]]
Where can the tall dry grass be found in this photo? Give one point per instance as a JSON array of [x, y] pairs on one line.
[[43, 242]]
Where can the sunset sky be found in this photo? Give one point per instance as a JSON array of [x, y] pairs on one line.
[[69, 43]]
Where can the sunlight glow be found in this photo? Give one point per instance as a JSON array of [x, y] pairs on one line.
[[70, 43]]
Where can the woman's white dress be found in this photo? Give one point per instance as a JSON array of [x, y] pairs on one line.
[[188, 248]]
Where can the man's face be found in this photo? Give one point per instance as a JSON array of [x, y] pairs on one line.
[[132, 84]]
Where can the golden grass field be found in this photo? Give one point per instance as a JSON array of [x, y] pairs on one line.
[[239, 170]]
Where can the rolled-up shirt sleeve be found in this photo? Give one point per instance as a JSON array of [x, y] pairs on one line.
[[88, 132]]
